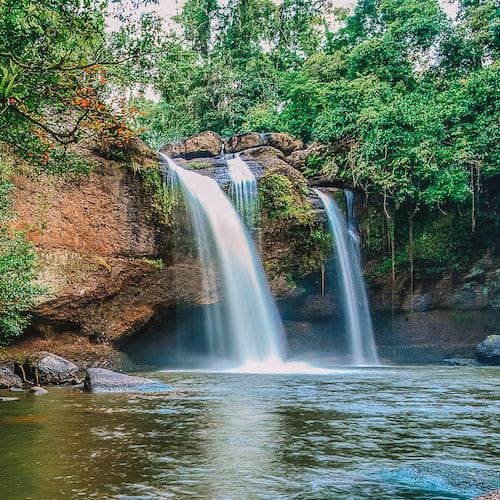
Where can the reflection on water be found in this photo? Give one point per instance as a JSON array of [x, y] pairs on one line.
[[254, 436]]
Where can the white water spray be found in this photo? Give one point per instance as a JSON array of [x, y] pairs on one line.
[[243, 189], [246, 330], [354, 299]]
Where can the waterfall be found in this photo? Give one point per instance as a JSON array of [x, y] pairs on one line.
[[245, 329], [243, 189], [353, 292], [351, 223]]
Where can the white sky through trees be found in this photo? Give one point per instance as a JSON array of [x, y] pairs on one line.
[[168, 8]]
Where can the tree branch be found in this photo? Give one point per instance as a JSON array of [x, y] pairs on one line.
[[62, 137]]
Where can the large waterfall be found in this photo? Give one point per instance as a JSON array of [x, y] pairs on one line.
[[245, 330], [243, 189], [353, 292]]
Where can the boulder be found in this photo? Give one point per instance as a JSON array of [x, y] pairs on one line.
[[100, 380], [278, 140], [299, 157], [283, 141], [263, 153], [9, 379], [240, 142], [488, 351], [38, 391], [46, 368], [206, 144]]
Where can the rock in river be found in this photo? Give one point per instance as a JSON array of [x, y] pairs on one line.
[[45, 368], [440, 478], [38, 391], [9, 379], [488, 351], [101, 380]]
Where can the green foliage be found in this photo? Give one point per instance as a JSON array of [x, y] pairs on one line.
[[441, 243], [291, 220], [56, 59], [156, 263], [17, 271], [162, 197], [280, 199], [406, 97]]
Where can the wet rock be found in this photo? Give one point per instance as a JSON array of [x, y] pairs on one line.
[[49, 369], [488, 351], [101, 380], [206, 144], [9, 379], [460, 362], [38, 391], [444, 479]]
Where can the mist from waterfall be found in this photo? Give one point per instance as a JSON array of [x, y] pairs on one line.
[[245, 328], [352, 287], [244, 190]]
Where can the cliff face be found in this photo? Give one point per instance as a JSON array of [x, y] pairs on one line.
[[111, 269], [99, 244]]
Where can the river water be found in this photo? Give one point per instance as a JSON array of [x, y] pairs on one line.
[[242, 436]]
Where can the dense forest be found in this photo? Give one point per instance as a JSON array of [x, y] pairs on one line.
[[402, 98]]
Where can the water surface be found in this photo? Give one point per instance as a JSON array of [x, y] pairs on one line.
[[253, 436]]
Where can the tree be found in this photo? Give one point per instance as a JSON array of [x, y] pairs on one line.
[[55, 60]]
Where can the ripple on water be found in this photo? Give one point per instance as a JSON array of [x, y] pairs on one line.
[[337, 435]]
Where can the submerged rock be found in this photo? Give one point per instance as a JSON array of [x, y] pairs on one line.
[[49, 369], [488, 351], [101, 380], [8, 379], [38, 391], [443, 478]]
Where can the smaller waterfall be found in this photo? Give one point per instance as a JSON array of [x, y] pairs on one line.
[[354, 299], [351, 223], [243, 190], [245, 329]]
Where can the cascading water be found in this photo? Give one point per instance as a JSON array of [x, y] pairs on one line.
[[246, 330], [243, 189], [351, 223], [354, 299]]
